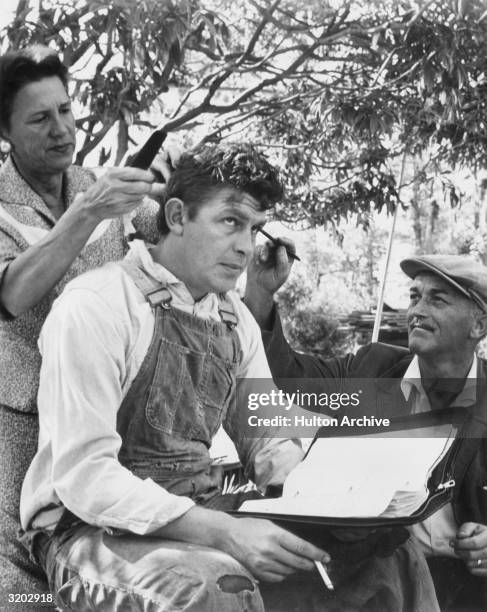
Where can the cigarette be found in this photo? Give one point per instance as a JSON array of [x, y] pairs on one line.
[[278, 243], [324, 575]]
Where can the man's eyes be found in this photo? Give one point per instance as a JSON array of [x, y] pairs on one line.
[[231, 221], [413, 298], [236, 222]]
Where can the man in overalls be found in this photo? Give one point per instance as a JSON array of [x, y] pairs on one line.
[[122, 505], [140, 361]]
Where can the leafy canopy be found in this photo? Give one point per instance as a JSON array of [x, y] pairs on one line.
[[335, 92]]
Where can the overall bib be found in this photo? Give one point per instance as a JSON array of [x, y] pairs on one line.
[[184, 390]]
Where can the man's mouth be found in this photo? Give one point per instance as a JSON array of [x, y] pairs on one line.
[[418, 325], [234, 267]]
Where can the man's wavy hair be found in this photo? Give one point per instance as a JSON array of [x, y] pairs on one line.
[[209, 167]]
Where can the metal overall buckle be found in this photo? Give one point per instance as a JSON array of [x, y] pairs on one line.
[[160, 297]]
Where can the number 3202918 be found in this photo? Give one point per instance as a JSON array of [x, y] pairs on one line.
[[30, 597]]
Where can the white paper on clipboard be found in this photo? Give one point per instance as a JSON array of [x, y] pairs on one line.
[[362, 476]]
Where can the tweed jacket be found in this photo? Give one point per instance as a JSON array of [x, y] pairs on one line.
[[387, 365]]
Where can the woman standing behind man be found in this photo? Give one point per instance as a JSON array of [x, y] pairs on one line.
[[56, 221]]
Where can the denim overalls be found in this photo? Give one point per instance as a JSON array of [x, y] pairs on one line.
[[183, 391]]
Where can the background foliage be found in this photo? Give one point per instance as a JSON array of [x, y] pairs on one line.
[[337, 91]]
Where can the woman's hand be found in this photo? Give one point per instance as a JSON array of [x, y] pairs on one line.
[[165, 161], [163, 164], [118, 192]]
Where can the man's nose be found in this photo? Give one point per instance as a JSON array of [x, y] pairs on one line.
[[245, 242], [418, 309]]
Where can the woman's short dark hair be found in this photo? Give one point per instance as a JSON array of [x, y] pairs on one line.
[[208, 167], [24, 66]]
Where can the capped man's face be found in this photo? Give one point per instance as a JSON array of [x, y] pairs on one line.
[[440, 319], [219, 241]]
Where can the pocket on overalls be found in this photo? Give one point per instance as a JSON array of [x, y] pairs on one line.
[[214, 392], [219, 388], [173, 398]]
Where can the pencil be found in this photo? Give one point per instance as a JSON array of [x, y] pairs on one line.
[[278, 243], [324, 574]]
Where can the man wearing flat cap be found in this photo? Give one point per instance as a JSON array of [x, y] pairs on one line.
[[447, 317]]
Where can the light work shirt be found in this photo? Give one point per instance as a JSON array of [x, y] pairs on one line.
[[435, 533], [93, 344]]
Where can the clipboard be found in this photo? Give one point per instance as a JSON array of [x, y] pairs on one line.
[[438, 480]]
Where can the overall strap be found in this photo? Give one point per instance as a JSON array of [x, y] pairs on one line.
[[156, 293]]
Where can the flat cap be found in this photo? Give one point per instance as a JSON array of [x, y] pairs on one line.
[[460, 271]]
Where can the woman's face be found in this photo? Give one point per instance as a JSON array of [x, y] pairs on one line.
[[42, 130]]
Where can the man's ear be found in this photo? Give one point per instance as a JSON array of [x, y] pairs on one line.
[[479, 327], [5, 144], [175, 213]]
